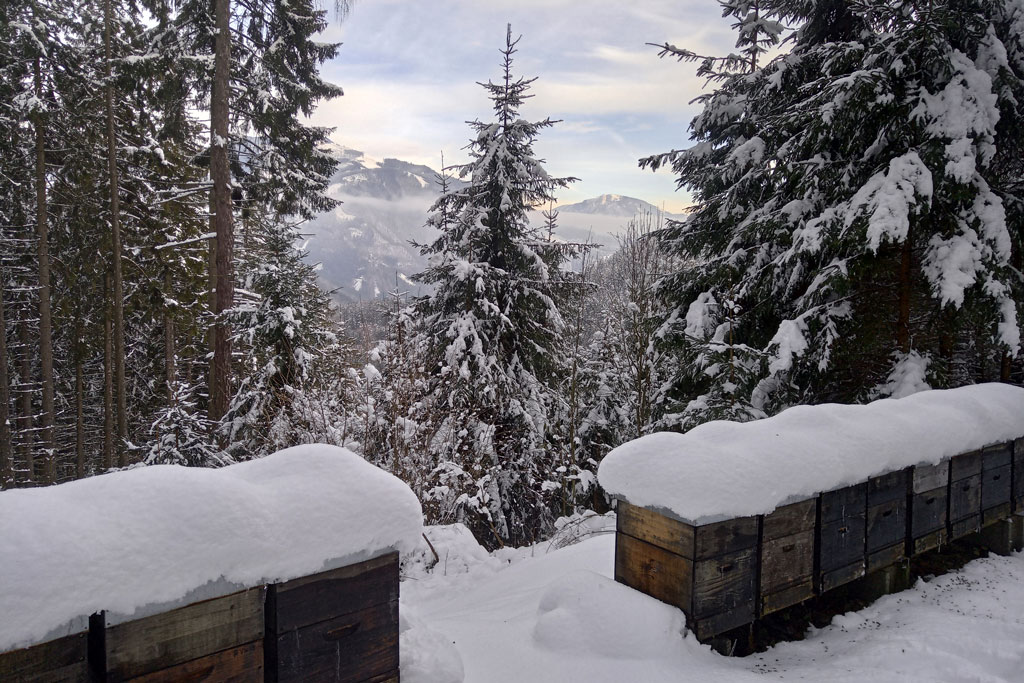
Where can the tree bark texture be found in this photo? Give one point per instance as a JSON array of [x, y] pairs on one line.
[[6, 452]]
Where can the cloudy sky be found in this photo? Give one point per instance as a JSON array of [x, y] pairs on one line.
[[410, 67]]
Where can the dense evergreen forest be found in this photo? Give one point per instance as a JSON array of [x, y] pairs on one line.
[[857, 174]]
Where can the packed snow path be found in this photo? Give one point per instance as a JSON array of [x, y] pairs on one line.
[[556, 615]]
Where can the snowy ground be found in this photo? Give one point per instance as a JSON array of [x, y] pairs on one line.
[[554, 614]]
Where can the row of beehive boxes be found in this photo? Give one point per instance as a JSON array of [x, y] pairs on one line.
[[726, 574], [338, 625]]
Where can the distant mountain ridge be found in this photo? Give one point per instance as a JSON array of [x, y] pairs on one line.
[[364, 247]]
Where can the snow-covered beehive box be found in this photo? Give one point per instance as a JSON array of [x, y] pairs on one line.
[[880, 474], [184, 562]]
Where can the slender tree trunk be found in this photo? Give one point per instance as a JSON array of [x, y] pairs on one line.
[[6, 455], [220, 380], [79, 413], [25, 379], [108, 380], [115, 247], [905, 284], [45, 333], [169, 362]]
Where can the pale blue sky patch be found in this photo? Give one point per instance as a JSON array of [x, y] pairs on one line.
[[409, 69]]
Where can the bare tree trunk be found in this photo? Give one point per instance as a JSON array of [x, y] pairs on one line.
[[169, 351], [220, 376], [115, 247], [79, 413], [6, 455], [45, 332], [108, 380], [903, 321], [25, 377]]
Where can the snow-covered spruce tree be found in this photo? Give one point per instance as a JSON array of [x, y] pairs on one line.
[[493, 329], [854, 202]]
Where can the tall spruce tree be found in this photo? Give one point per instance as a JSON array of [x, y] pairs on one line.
[[493, 327], [854, 201]]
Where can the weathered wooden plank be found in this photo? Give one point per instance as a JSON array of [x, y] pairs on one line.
[[887, 524], [930, 477], [242, 664], [996, 514], [850, 501], [180, 635], [55, 661], [1018, 475], [787, 597], [711, 626], [885, 557], [724, 583], [841, 543], [356, 647], [965, 465], [654, 571], [996, 456], [995, 487], [889, 487], [935, 539], [647, 525], [327, 595], [724, 537], [965, 497], [789, 519], [965, 527], [842, 575], [787, 561], [928, 512]]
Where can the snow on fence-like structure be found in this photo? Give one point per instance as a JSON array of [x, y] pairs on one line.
[[731, 522], [279, 569]]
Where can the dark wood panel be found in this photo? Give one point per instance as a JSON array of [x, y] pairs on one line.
[[55, 661], [180, 635], [243, 664], [965, 465], [964, 497], [850, 501], [928, 512], [787, 597], [931, 541], [356, 647], [724, 537], [654, 571], [887, 524], [930, 477], [720, 623], [889, 487], [841, 576], [886, 557], [656, 529], [965, 527], [790, 519], [841, 543], [786, 561], [724, 583], [996, 514], [327, 595], [996, 456], [995, 487]]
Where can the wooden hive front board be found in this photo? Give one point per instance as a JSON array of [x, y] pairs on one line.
[[647, 525], [1018, 475], [840, 504], [151, 644], [62, 660], [930, 477], [338, 625], [842, 533], [965, 505], [242, 664], [887, 519], [996, 482], [965, 465], [654, 571], [841, 543], [887, 525], [787, 556]]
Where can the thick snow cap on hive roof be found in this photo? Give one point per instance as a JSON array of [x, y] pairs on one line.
[[143, 540], [728, 469]]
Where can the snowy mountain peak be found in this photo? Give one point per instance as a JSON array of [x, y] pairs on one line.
[[612, 205]]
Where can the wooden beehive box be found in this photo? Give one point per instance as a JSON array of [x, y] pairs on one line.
[[60, 660], [887, 518], [964, 494], [1018, 475], [841, 535], [217, 639], [340, 625], [787, 556], [996, 492], [708, 571], [929, 507]]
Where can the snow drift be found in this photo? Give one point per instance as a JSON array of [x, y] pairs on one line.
[[727, 469], [143, 540]]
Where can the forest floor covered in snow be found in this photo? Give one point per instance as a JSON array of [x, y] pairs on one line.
[[549, 613]]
